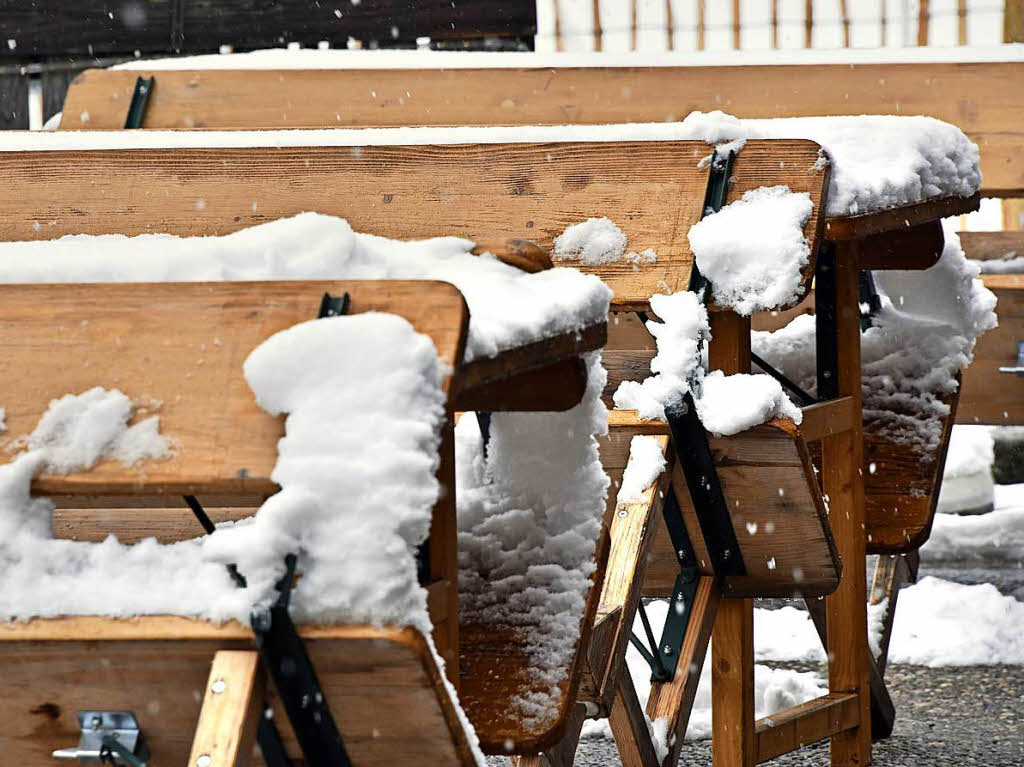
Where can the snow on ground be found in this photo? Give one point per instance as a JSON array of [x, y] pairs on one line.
[[753, 250], [967, 484], [508, 307], [996, 537], [529, 518]]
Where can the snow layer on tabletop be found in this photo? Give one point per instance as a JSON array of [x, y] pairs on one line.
[[923, 334], [529, 516], [774, 689], [984, 538], [645, 464], [878, 161], [730, 404], [753, 250], [679, 336], [967, 484], [356, 468], [508, 307]]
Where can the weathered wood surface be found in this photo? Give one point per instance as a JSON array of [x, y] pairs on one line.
[[491, 194], [182, 345], [95, 27], [989, 246], [888, 222], [232, 706], [383, 687], [971, 96], [809, 722]]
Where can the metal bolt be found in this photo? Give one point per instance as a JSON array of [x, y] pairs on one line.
[[96, 722], [667, 650], [218, 686], [623, 513]]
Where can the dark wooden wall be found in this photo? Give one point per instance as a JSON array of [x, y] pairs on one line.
[[56, 39]]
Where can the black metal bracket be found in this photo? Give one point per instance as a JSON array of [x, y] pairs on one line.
[[805, 398], [870, 301], [334, 306], [826, 322], [139, 102], [714, 200]]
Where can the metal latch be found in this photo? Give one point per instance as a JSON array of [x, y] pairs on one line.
[[108, 737], [1018, 369]]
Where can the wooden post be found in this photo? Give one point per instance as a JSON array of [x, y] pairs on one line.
[[961, 22], [229, 718], [734, 742], [444, 562], [632, 24], [845, 15], [775, 23], [808, 23], [1013, 21], [736, 36], [598, 44], [701, 24], [669, 25], [923, 17], [843, 484]]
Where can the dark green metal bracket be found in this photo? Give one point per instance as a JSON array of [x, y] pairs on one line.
[[140, 100]]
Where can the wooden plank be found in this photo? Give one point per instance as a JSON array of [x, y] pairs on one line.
[[923, 20], [629, 725], [224, 442], [488, 193], [1013, 22], [827, 418], [916, 247], [675, 699], [809, 722], [988, 246], [891, 572], [13, 102], [383, 685], [971, 96], [228, 720], [50, 27], [843, 482], [889, 221]]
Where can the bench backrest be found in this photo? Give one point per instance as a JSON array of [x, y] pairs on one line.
[[970, 95]]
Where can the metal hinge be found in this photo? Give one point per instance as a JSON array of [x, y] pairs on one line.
[[108, 738]]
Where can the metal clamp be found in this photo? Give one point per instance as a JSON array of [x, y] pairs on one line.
[[1018, 369], [108, 737]]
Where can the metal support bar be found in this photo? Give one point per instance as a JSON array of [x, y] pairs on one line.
[[870, 302], [714, 200], [271, 744], [826, 322], [805, 398], [659, 672], [139, 102]]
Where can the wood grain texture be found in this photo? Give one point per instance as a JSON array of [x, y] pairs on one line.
[[809, 722], [734, 739], [488, 193], [894, 219], [223, 442], [629, 726], [383, 687], [232, 705], [988, 246], [971, 96]]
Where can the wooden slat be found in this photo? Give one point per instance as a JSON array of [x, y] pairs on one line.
[[809, 722], [383, 685], [916, 247], [488, 193], [228, 720], [894, 219], [987, 246], [224, 442], [827, 418], [629, 725]]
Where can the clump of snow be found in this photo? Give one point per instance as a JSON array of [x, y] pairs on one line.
[[1010, 263], [529, 516], [753, 250], [508, 307], [594, 241], [357, 473], [77, 430], [730, 404], [921, 337], [645, 464], [878, 161], [940, 623], [679, 337], [967, 484], [986, 538]]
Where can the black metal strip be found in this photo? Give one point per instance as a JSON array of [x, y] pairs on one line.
[[714, 200], [288, 664], [826, 326], [805, 398], [334, 306], [271, 743], [483, 420], [870, 302], [139, 102], [209, 527]]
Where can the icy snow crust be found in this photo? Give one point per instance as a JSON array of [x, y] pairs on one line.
[[878, 162], [508, 307], [753, 250], [356, 467], [529, 518], [922, 336]]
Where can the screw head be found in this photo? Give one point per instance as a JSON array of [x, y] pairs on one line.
[[204, 760], [218, 687]]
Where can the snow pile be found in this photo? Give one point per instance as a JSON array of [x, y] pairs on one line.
[[77, 430], [508, 307], [594, 241], [529, 518], [753, 250], [735, 403], [967, 484], [922, 336], [878, 161], [939, 623], [679, 336], [357, 473], [996, 537], [645, 464]]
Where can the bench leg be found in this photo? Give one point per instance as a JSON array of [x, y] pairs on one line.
[[229, 718], [733, 740], [563, 753], [629, 726], [673, 700], [891, 572]]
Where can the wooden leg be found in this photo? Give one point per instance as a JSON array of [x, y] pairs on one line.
[[733, 740], [843, 459], [675, 699], [629, 726], [563, 753], [891, 572], [444, 564], [229, 718]]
